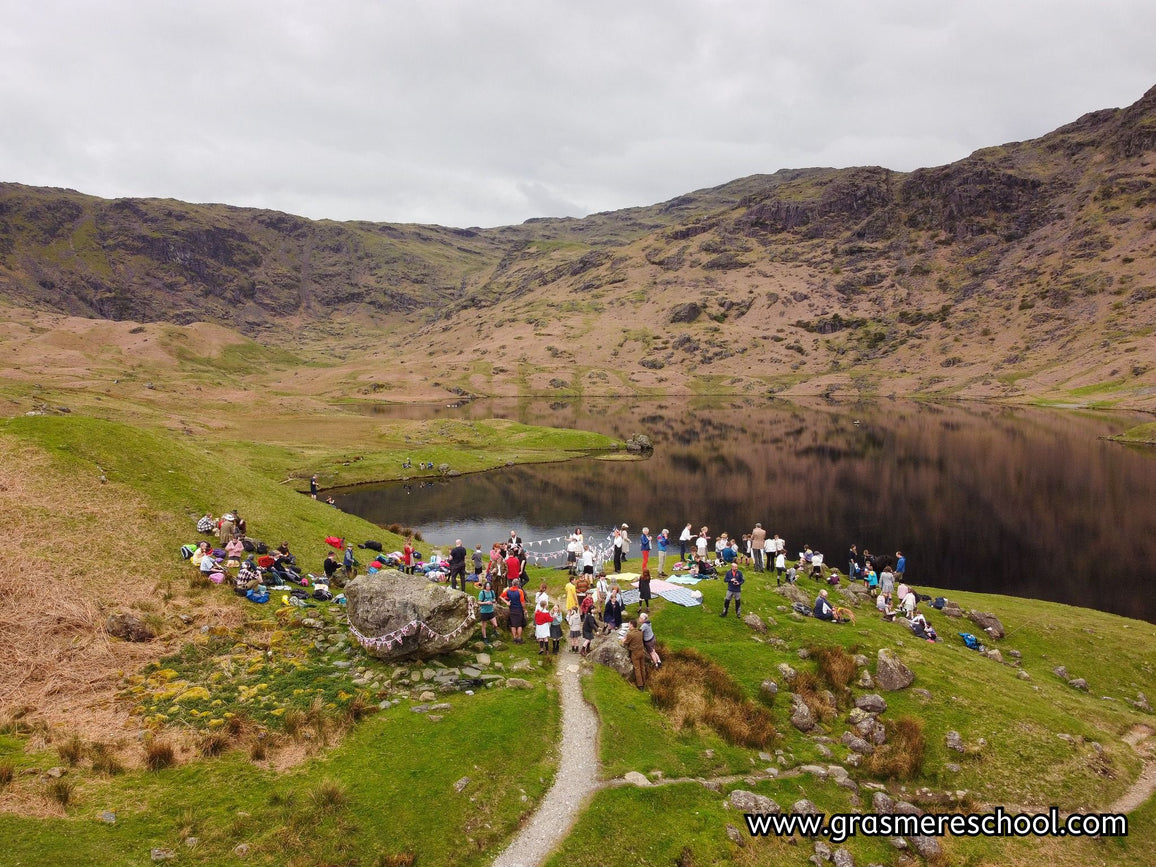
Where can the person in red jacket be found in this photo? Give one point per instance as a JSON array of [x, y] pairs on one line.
[[407, 557], [513, 568]]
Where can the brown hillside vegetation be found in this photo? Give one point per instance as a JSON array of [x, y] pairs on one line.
[[1025, 270]]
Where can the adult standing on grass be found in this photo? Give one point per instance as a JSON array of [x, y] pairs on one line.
[[516, 599], [684, 542], [458, 564], [734, 583], [513, 568], [662, 543], [348, 563], [313, 486], [644, 547], [571, 594], [625, 542], [758, 540], [486, 598], [636, 647], [900, 566], [616, 543], [478, 562]]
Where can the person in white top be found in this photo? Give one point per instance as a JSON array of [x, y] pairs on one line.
[[817, 565], [780, 567], [683, 542]]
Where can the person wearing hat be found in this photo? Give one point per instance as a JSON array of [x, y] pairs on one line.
[[625, 542], [823, 609]]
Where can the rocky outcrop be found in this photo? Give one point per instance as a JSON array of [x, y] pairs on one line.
[[609, 651], [988, 622], [890, 673], [396, 616], [129, 627]]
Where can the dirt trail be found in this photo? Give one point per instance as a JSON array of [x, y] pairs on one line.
[[577, 776], [1141, 790]]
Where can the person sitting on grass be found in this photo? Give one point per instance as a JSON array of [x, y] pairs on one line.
[[922, 628], [823, 609]]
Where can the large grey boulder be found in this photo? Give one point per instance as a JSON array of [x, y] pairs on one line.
[[794, 593], [401, 616], [608, 650], [890, 673]]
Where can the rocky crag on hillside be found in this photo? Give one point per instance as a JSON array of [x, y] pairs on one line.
[[1028, 256]]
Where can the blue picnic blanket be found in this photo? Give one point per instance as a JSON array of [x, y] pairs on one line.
[[680, 596]]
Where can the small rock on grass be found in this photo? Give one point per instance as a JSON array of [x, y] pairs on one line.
[[461, 784]]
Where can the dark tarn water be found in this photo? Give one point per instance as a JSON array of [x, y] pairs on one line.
[[1023, 501]]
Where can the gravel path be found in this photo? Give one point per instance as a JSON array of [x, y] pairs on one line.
[[576, 780]]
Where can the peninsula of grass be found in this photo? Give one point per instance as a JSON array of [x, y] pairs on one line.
[[1141, 434]]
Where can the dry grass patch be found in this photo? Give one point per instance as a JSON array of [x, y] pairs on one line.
[[159, 754], [901, 758], [694, 691]]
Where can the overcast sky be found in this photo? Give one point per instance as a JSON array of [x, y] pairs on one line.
[[488, 113]]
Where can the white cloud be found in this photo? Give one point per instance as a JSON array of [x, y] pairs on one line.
[[467, 113]]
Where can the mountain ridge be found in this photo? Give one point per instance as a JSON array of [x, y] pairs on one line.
[[1017, 270]]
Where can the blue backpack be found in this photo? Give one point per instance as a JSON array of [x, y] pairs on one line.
[[971, 641], [259, 598]]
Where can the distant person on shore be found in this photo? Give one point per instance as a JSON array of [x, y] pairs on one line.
[[313, 486], [662, 543]]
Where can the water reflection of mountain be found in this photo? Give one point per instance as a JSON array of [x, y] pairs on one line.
[[1016, 500]]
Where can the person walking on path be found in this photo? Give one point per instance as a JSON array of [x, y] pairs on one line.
[[758, 540], [734, 583], [636, 647]]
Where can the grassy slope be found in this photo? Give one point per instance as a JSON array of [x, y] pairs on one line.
[[390, 769], [1024, 762]]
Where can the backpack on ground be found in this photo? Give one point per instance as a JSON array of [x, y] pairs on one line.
[[188, 551], [939, 602], [371, 545], [259, 598], [249, 545], [322, 595], [262, 548], [800, 608], [971, 641]]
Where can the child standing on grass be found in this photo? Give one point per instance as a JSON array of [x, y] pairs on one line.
[[575, 623], [555, 627], [589, 626], [542, 621]]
